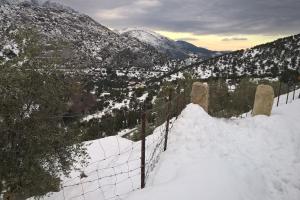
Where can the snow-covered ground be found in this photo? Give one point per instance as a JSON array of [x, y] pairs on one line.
[[207, 158], [113, 169], [245, 159]]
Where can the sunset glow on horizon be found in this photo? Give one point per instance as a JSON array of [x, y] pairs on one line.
[[220, 42], [219, 25]]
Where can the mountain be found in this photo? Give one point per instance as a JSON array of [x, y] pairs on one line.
[[268, 59], [192, 49], [175, 49], [95, 45], [112, 67]]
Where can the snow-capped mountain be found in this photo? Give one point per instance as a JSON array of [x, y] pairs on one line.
[[175, 49], [91, 40], [112, 67], [262, 60]]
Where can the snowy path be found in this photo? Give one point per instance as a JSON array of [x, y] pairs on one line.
[[245, 159]]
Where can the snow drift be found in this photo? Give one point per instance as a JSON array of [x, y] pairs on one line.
[[212, 159]]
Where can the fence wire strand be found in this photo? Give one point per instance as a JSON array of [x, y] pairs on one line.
[[116, 171]]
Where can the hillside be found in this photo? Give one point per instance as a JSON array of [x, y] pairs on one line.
[[207, 158], [94, 46], [174, 49], [263, 60], [200, 51], [112, 67]]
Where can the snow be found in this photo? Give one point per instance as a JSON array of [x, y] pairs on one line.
[[144, 35], [108, 156], [113, 169], [213, 159], [286, 98], [207, 158], [143, 97], [107, 110], [126, 131]]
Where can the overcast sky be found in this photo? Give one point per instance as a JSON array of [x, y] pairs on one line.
[[225, 21]]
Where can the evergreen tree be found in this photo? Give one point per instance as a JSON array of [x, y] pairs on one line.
[[36, 146]]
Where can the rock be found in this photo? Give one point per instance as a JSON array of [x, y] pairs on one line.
[[264, 99], [200, 95]]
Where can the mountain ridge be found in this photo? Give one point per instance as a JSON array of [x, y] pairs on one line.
[[93, 40], [269, 59], [175, 49]]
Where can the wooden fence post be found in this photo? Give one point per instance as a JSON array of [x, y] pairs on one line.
[[168, 119], [143, 148]]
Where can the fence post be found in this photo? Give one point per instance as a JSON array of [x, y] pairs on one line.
[[177, 106], [63, 189], [143, 148], [279, 93], [168, 119], [294, 91], [287, 95]]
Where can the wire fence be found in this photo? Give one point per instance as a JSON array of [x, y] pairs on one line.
[[119, 166], [124, 165], [234, 98]]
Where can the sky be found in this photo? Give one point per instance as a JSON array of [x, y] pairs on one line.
[[214, 24]]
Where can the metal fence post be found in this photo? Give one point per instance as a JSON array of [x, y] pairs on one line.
[[279, 93], [63, 189], [287, 95], [294, 91], [143, 148], [177, 106], [168, 119]]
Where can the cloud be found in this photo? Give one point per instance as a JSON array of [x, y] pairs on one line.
[[127, 11], [188, 39], [221, 17], [234, 39]]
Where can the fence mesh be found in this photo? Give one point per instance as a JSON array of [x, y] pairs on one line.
[[115, 168]]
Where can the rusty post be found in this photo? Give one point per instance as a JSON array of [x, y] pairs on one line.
[[294, 93], [177, 106], [287, 95], [168, 119], [143, 148], [279, 93]]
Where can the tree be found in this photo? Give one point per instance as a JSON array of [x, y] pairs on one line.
[[36, 146], [218, 97], [289, 76]]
